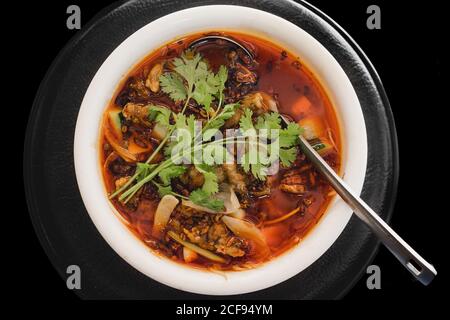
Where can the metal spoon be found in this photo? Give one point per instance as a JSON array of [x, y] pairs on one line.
[[206, 39], [409, 258]]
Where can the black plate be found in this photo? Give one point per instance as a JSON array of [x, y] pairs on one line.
[[57, 211]]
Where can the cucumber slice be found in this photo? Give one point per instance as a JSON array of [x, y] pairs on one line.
[[115, 122], [159, 131]]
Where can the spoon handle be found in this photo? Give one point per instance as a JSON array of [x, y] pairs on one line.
[[418, 266]]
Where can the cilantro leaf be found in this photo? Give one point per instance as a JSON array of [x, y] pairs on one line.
[[160, 115], [289, 136], [173, 85], [269, 121], [250, 163], [287, 156], [214, 153], [210, 186], [205, 90], [257, 161], [170, 172], [218, 121], [189, 69], [246, 122], [259, 171], [222, 77], [143, 169], [164, 190], [202, 198]]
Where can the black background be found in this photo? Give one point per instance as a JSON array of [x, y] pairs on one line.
[[406, 53]]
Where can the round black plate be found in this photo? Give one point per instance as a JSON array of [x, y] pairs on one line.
[[57, 211]]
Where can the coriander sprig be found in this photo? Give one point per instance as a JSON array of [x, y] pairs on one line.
[[190, 78]]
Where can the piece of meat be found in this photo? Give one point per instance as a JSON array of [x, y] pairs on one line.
[[192, 178], [120, 167], [233, 122], [207, 231], [134, 90], [235, 178], [234, 247], [152, 81], [137, 113], [244, 75], [292, 182], [260, 102], [121, 181]]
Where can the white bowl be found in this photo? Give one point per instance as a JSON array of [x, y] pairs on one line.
[[151, 37]]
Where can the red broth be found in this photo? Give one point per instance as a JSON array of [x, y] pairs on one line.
[[299, 95]]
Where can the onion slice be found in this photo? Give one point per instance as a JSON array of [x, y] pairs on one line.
[[121, 151], [247, 230], [162, 214], [230, 202], [190, 204]]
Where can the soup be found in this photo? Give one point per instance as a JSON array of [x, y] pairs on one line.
[[198, 160]]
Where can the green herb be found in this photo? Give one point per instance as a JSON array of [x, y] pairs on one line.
[[202, 198], [287, 140], [164, 190], [208, 86], [191, 69], [246, 122], [192, 79], [205, 90], [210, 186], [289, 136], [213, 125], [172, 84], [269, 121], [143, 169], [185, 132], [287, 156], [168, 173], [160, 115], [222, 76]]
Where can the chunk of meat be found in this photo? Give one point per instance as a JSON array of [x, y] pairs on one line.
[[208, 232], [244, 75], [260, 102], [292, 182], [133, 91], [235, 178], [121, 181], [192, 178], [120, 167], [137, 113], [152, 81], [234, 247], [234, 120]]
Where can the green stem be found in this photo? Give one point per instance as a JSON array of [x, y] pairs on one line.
[[126, 185], [138, 185], [127, 195], [171, 192], [186, 103]]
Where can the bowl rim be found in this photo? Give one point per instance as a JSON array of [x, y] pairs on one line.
[[120, 238]]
